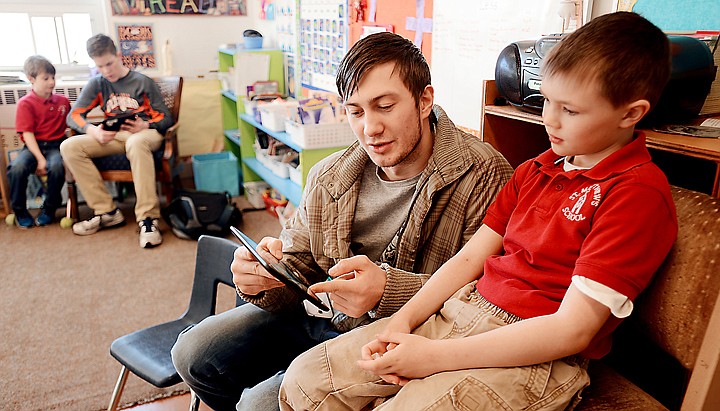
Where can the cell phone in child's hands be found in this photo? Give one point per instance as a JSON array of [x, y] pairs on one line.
[[280, 270], [113, 123]]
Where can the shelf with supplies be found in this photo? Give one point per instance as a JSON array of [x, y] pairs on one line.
[[240, 130], [520, 135]]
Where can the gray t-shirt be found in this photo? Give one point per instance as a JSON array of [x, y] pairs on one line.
[[381, 209]]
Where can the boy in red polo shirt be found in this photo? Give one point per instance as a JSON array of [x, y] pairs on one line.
[[40, 120], [569, 243]]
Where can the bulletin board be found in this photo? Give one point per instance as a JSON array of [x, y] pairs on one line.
[[323, 41], [468, 36], [406, 18]]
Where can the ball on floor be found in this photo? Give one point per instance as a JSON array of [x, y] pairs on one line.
[[66, 222], [10, 219]]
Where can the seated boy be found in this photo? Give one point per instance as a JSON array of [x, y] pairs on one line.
[[40, 120], [569, 243]]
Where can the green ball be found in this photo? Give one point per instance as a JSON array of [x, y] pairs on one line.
[[66, 222], [10, 219]]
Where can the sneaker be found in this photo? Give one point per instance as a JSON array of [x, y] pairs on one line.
[[91, 226], [23, 219], [150, 233], [45, 217]]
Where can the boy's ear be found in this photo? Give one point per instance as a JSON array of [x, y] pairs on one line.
[[635, 111], [427, 98]]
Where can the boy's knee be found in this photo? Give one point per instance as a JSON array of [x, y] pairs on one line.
[[306, 381], [68, 147]]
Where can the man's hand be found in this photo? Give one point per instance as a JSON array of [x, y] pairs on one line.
[[135, 125], [248, 275], [100, 134], [357, 286]]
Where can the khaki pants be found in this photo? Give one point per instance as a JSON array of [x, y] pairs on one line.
[[326, 377], [78, 152]]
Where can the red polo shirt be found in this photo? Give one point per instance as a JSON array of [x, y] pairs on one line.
[[613, 223], [43, 117]]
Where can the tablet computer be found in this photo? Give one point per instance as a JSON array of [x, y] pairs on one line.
[[113, 123], [289, 276]]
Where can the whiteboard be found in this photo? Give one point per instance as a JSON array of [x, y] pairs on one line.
[[468, 36]]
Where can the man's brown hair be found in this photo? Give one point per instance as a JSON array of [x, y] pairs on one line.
[[377, 49]]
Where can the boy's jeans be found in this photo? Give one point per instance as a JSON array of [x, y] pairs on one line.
[[25, 164], [326, 377]]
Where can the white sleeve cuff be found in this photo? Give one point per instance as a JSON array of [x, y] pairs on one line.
[[619, 305]]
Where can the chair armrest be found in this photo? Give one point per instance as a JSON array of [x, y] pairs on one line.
[[171, 142]]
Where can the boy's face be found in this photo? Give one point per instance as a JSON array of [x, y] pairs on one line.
[[43, 84], [110, 66], [387, 122], [580, 121]]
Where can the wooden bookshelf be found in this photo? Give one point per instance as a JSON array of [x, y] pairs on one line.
[[520, 135]]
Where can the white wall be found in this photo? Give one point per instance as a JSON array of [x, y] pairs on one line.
[[195, 38]]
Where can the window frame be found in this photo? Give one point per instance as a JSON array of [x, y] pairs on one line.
[[55, 8]]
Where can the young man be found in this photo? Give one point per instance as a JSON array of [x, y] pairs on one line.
[[40, 120], [399, 202], [118, 91], [566, 247]]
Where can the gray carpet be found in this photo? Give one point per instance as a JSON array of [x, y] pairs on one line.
[[65, 298]]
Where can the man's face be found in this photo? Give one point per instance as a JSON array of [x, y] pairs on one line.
[[43, 84], [110, 66], [388, 123], [580, 121]]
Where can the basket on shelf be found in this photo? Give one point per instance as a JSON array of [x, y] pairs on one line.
[[310, 136]]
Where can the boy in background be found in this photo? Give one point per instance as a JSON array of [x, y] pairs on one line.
[[40, 121], [118, 91], [511, 321]]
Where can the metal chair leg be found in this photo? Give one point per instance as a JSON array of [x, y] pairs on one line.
[[119, 386], [194, 401]]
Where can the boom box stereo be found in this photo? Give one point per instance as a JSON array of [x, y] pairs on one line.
[[518, 79]]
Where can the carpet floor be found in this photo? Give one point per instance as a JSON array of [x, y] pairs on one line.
[[65, 298]]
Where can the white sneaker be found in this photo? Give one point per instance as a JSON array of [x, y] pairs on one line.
[[93, 225], [150, 233]]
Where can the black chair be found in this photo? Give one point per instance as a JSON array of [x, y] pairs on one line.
[[147, 352]]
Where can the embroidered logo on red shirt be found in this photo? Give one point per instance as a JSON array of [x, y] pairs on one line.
[[588, 195]]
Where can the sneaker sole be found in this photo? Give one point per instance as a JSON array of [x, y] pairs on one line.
[[120, 224], [148, 244]]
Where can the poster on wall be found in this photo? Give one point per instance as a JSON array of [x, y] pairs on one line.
[[323, 41], [179, 7], [136, 46]]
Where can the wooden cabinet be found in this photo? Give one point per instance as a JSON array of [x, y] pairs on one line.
[[520, 135]]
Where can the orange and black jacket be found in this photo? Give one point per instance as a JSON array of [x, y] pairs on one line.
[[134, 93]]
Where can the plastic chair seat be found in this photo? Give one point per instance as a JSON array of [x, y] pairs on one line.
[[147, 352]]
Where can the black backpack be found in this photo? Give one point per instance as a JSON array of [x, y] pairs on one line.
[[193, 213]]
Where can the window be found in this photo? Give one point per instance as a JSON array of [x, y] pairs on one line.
[[55, 29]]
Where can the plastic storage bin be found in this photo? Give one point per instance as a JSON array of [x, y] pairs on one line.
[[216, 172], [254, 192], [274, 115], [310, 136]]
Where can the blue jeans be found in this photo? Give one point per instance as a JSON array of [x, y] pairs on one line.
[[25, 165], [244, 351]]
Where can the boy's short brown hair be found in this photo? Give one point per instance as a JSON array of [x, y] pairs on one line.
[[377, 49], [99, 45], [625, 53], [35, 65]]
